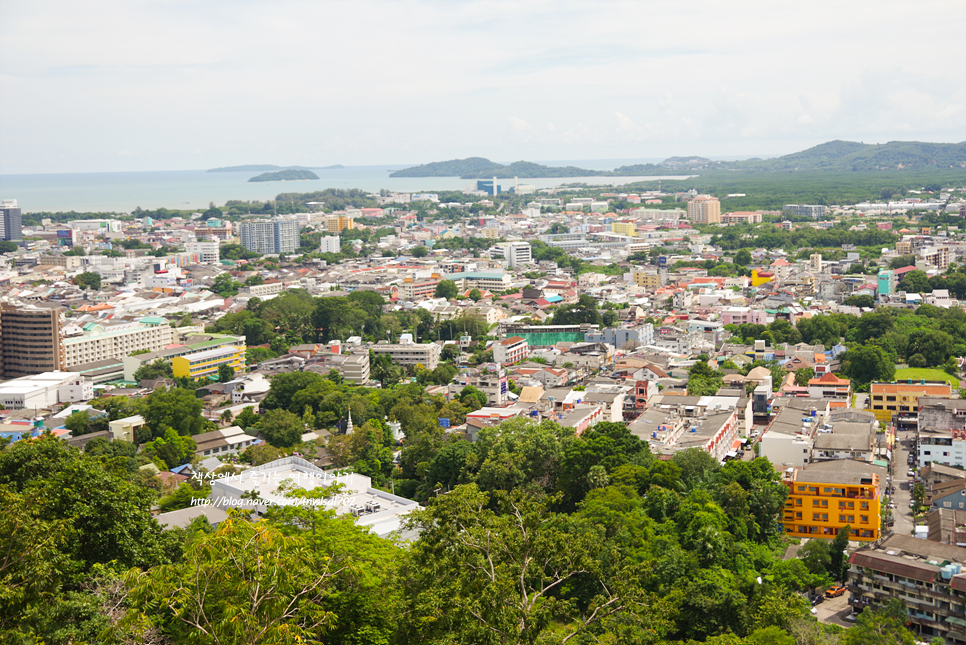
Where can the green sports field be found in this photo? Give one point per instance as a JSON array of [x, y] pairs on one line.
[[930, 375]]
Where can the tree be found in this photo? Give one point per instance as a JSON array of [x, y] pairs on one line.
[[868, 363], [224, 286], [803, 376], [742, 257], [884, 626], [583, 311], [246, 418], [475, 575], [172, 448], [609, 318], [446, 289], [472, 398], [838, 560], [281, 428], [225, 373], [88, 280], [158, 369], [175, 408], [420, 252], [248, 583], [475, 295], [915, 281]]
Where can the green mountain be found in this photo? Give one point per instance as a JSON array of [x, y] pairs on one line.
[[840, 156], [292, 174]]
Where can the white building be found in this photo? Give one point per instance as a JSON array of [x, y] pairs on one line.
[[515, 253], [103, 340], [39, 391], [272, 236], [330, 244], [382, 511], [426, 355], [509, 351], [207, 252]]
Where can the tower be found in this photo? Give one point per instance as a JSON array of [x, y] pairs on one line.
[[348, 426], [11, 225]]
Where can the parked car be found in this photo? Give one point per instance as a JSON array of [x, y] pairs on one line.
[[834, 592], [911, 473]]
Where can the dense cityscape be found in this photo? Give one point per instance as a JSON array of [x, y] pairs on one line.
[[504, 414]]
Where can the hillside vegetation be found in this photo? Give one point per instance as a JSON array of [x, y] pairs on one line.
[[285, 175], [841, 156]]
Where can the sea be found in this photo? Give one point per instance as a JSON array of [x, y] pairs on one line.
[[122, 192]]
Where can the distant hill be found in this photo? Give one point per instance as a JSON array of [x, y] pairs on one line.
[[840, 156], [847, 156], [291, 174]]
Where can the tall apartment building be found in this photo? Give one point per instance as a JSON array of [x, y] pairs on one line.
[[11, 226], [624, 228], [207, 252], [30, 340], [806, 210], [330, 244], [649, 279], [104, 340], [426, 354], [821, 503], [704, 209], [273, 236], [928, 576]]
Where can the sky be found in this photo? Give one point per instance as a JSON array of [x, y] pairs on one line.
[[168, 85]]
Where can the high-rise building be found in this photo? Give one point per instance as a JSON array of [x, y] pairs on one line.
[[273, 236], [330, 244], [338, 223], [30, 340], [11, 226], [704, 209], [814, 211]]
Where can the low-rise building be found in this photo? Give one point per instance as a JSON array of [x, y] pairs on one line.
[[226, 441], [107, 340], [425, 355], [41, 391], [902, 398], [820, 504], [510, 351], [126, 429], [207, 362], [926, 575]]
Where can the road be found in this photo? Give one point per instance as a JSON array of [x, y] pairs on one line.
[[902, 513], [834, 610]]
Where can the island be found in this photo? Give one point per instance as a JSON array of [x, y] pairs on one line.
[[285, 175], [267, 166]]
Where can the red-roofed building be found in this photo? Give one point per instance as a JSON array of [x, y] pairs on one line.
[[512, 350], [829, 386]]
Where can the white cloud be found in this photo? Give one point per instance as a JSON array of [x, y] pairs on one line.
[[302, 82]]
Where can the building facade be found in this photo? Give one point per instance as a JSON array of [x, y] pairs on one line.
[[207, 252], [426, 354], [30, 340], [99, 341], [207, 362], [820, 505], [274, 236], [890, 399], [11, 225], [509, 351], [704, 209], [806, 210]]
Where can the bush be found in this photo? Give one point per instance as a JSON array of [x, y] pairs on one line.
[[918, 360]]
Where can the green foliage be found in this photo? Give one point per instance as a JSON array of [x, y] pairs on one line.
[[158, 369], [289, 174], [172, 448], [281, 428], [225, 286], [88, 280], [176, 408], [446, 289]]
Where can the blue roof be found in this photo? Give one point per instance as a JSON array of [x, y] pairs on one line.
[[177, 469], [554, 298]]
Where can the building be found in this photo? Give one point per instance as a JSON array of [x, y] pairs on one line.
[[820, 504], [206, 252], [628, 229], [494, 282], [425, 355], [887, 283], [108, 340], [353, 367], [741, 217], [489, 186], [271, 237], [623, 338], [829, 386], [330, 244], [338, 223], [207, 362], [30, 340], [649, 279], [928, 576], [516, 253], [226, 441], [381, 511], [889, 399], [126, 429], [419, 288], [704, 209], [510, 351], [11, 225], [806, 210], [40, 391]]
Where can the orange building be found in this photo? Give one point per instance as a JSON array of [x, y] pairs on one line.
[[889, 399]]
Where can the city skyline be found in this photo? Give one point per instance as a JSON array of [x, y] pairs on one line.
[[175, 85]]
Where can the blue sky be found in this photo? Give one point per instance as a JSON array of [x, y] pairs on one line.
[[111, 86]]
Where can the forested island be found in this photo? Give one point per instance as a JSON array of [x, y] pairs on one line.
[[265, 167], [291, 174], [839, 156]]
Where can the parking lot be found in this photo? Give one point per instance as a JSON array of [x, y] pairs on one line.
[[834, 610]]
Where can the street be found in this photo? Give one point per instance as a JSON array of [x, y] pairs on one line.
[[902, 513]]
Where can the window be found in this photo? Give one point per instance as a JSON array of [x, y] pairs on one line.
[[841, 518], [825, 517], [947, 504], [864, 519], [815, 517]]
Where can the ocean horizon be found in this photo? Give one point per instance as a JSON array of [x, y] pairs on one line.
[[123, 192]]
